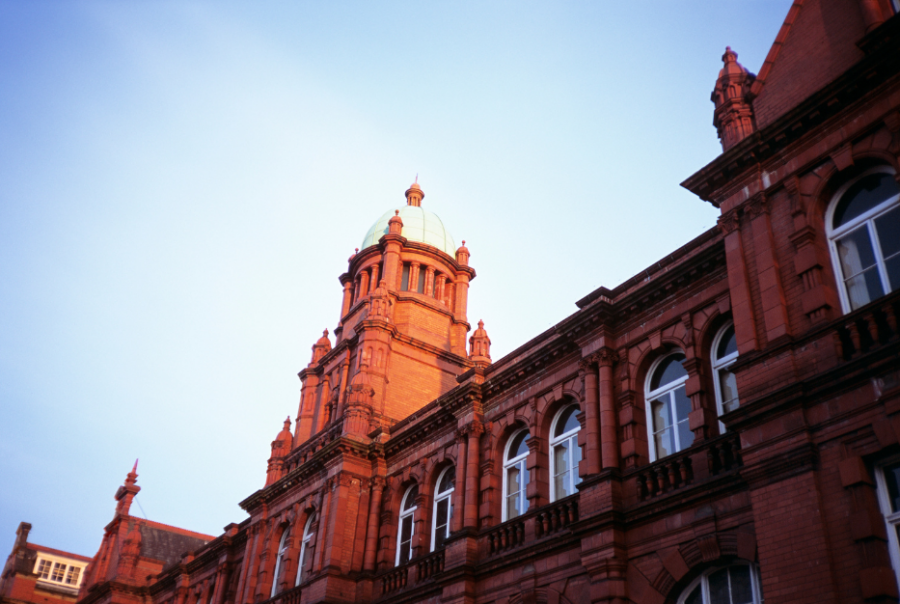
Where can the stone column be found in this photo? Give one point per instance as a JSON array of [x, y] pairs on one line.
[[591, 462], [470, 518], [348, 298], [363, 283], [373, 281], [429, 281], [413, 284], [439, 287], [377, 486], [459, 493], [609, 431]]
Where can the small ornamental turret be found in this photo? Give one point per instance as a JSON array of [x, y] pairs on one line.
[[129, 553], [733, 117], [281, 447], [415, 194], [462, 254], [126, 492], [320, 348], [359, 402], [480, 347], [395, 224]]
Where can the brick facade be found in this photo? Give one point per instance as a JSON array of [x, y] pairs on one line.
[[783, 491]]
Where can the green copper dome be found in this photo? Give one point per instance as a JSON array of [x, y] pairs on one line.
[[418, 225]]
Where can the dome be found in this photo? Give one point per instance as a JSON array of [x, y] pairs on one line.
[[418, 225]]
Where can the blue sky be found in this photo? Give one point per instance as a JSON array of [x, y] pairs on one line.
[[181, 184]]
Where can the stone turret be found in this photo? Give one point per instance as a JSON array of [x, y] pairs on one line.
[[733, 117]]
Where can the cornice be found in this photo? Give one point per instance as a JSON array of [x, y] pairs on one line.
[[874, 70]]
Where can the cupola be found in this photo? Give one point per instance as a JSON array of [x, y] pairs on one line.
[[733, 116]]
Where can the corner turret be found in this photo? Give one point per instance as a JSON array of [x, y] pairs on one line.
[[733, 116]]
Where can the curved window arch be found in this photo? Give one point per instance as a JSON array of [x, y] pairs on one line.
[[564, 453], [443, 507], [723, 354], [406, 526], [734, 584], [668, 406], [515, 475], [279, 562], [305, 546], [863, 224]]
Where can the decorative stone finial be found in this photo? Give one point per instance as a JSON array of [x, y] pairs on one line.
[[462, 254], [320, 348], [733, 116], [395, 224], [480, 347]]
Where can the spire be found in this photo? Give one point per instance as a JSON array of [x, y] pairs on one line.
[[126, 492], [414, 194], [480, 347], [733, 116]]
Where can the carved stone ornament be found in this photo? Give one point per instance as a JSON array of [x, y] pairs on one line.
[[729, 222]]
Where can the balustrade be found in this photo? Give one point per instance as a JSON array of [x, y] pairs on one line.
[[868, 328], [291, 596], [724, 454], [666, 475], [395, 579], [506, 536], [430, 565], [556, 516]]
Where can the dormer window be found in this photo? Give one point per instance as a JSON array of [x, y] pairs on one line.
[[58, 571]]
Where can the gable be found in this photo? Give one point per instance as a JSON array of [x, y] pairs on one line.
[[816, 44]]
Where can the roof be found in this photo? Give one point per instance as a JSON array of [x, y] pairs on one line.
[[57, 552], [418, 225]]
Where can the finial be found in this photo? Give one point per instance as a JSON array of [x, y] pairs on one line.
[[325, 335], [464, 241], [356, 250], [134, 469], [287, 423], [396, 212], [417, 179]]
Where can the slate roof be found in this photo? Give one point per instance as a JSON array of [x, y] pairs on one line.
[[168, 546]]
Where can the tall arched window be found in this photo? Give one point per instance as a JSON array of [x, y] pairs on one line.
[[407, 526], [279, 562], [668, 407], [564, 453], [305, 545], [515, 475], [443, 507], [735, 584], [863, 223], [724, 354]]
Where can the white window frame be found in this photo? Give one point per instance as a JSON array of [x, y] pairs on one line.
[[666, 390], [865, 220], [308, 536], [891, 518], [279, 560], [720, 364], [66, 565], [755, 584], [519, 460], [406, 513], [441, 496], [572, 437]]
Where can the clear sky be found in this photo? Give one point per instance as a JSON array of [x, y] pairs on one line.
[[181, 184]]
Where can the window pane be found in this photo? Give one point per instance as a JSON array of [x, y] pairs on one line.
[[448, 480], [685, 436], [696, 597], [512, 505], [58, 572], [44, 569], [409, 501], [855, 251], [404, 284], [659, 410], [567, 421], [864, 288], [865, 195], [741, 592], [512, 479], [728, 390], [728, 344], [560, 484], [421, 286], [561, 457], [525, 476], [892, 478], [519, 446], [665, 443], [718, 587], [893, 270], [443, 507], [888, 228], [682, 403], [668, 371], [406, 529], [576, 457]]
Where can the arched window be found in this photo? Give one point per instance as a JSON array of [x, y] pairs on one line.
[[863, 223], [443, 508], [279, 562], [305, 545], [735, 584], [407, 525], [668, 407], [724, 354], [564, 453], [515, 475]]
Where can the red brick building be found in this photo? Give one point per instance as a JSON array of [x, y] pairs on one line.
[[40, 575], [723, 427]]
